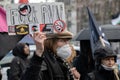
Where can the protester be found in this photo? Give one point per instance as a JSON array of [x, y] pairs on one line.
[[84, 62], [20, 61], [48, 60], [106, 68]]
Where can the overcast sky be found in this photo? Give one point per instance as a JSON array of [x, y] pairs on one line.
[[36, 1]]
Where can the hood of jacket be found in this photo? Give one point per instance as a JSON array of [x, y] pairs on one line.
[[19, 50]]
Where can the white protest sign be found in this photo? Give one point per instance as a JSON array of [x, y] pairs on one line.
[[34, 13]]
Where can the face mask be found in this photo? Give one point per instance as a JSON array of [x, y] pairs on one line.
[[64, 52], [108, 68]]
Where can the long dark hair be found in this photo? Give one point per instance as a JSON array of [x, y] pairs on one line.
[[19, 50], [50, 44]]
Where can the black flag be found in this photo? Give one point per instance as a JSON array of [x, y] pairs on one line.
[[97, 37], [7, 43]]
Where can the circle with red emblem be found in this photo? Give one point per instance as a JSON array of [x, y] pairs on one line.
[[59, 26], [24, 9]]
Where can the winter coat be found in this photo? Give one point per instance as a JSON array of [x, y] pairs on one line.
[[17, 68], [18, 64], [84, 64], [102, 74], [47, 67]]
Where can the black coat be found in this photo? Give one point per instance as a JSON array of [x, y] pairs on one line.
[[47, 67], [17, 68], [19, 62], [84, 64], [102, 74]]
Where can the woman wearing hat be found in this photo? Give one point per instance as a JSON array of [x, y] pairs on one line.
[[106, 68], [48, 60]]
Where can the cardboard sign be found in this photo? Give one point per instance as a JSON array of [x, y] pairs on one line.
[[34, 13]]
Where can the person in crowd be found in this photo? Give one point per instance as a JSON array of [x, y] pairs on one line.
[[106, 68], [47, 62], [19, 62], [84, 62]]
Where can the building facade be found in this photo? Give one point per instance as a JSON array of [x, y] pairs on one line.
[[102, 10]]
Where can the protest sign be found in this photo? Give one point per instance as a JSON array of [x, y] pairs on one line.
[[35, 13]]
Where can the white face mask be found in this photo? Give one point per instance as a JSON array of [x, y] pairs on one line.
[[64, 52], [108, 68]]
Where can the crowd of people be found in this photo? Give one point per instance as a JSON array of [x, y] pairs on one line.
[[55, 59], [49, 60]]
